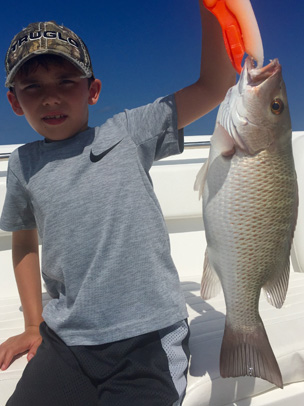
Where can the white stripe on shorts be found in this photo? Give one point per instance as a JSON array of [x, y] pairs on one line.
[[172, 339]]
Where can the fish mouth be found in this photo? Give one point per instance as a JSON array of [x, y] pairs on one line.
[[253, 77], [257, 76]]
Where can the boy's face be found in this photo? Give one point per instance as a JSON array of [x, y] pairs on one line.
[[54, 100]]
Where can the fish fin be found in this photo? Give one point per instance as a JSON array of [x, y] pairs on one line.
[[276, 289], [250, 354], [201, 179], [222, 141], [210, 285]]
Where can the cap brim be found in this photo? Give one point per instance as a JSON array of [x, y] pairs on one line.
[[10, 77]]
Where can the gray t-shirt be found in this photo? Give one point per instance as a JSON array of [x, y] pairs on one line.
[[105, 249]]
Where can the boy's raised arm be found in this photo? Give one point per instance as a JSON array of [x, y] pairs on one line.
[[217, 74], [27, 273]]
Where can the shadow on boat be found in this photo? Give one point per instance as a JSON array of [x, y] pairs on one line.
[[207, 330]]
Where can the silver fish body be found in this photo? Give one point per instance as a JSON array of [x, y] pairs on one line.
[[250, 203]]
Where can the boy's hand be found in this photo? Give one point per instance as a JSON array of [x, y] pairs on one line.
[[16, 346]]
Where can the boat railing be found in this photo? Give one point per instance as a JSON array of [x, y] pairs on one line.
[[197, 144], [4, 156], [188, 145]]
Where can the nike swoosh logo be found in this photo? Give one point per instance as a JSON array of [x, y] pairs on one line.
[[96, 158]]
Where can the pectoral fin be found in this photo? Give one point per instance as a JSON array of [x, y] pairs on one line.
[[222, 141]]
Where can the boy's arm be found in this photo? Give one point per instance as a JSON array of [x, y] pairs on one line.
[[27, 273], [217, 74]]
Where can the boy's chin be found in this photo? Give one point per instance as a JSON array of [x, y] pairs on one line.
[[58, 138]]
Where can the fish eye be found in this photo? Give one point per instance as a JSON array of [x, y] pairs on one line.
[[277, 106]]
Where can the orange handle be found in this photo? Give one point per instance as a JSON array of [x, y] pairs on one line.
[[232, 32]]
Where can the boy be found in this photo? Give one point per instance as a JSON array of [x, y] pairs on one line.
[[115, 331]]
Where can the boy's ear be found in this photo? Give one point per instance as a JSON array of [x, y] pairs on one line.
[[14, 103], [94, 91]]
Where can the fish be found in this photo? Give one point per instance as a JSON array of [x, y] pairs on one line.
[[250, 201]]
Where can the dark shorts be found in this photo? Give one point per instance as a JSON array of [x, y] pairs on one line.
[[146, 370]]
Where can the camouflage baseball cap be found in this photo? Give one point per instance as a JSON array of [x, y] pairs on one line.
[[46, 38]]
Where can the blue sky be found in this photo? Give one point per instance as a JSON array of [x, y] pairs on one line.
[[142, 50]]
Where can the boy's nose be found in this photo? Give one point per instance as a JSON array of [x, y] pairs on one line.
[[51, 97]]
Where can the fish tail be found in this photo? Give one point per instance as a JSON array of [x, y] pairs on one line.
[[249, 354]]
